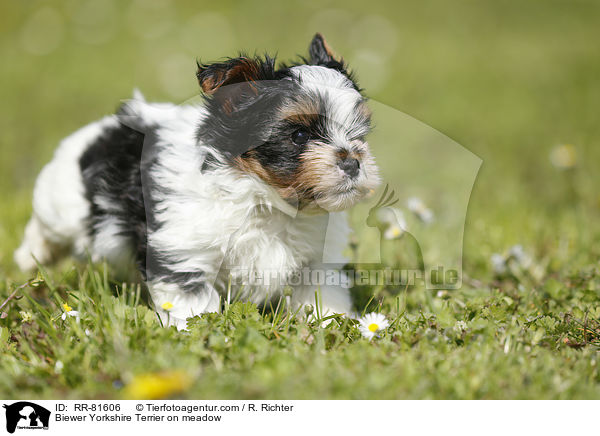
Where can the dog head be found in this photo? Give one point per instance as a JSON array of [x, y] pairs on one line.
[[301, 128]]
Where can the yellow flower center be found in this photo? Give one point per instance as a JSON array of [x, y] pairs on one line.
[[157, 385], [67, 308], [167, 305], [373, 327]]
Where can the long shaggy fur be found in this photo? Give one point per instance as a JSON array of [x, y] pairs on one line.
[[253, 181]]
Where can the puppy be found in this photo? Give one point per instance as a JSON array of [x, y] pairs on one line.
[[251, 182]]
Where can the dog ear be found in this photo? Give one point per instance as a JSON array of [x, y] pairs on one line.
[[236, 70], [320, 53], [230, 82]]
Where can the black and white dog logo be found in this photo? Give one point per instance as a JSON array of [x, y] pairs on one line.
[[26, 415]]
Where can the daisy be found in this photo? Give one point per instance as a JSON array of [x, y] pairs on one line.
[[518, 253], [416, 206], [499, 264], [167, 305], [516, 256], [460, 326], [564, 157], [26, 316], [371, 323], [68, 311], [157, 385], [392, 220]]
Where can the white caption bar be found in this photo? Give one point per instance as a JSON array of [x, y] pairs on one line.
[[24, 417]]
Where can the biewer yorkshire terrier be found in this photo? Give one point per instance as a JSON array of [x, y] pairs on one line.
[[253, 179]]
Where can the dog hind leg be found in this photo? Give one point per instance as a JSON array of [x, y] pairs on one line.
[[38, 246]]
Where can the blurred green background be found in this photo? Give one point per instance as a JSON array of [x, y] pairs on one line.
[[508, 80]]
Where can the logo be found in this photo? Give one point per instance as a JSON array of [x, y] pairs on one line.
[[26, 415]]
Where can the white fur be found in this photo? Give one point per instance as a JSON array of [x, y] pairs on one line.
[[208, 219], [340, 93], [224, 217], [60, 208], [339, 192]]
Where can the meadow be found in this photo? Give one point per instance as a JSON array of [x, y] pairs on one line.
[[514, 82]]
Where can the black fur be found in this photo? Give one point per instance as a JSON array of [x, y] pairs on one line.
[[279, 153], [241, 112], [319, 55], [243, 98], [110, 168], [114, 170], [158, 267]]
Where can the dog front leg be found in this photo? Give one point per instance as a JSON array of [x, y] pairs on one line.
[[175, 305], [327, 289]]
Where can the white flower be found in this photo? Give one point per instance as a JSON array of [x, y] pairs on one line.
[[564, 157], [518, 253], [515, 257], [416, 206], [371, 323], [460, 326], [68, 311], [58, 367], [393, 219], [167, 305], [26, 316], [499, 264]]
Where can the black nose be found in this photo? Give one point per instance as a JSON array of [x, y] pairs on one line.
[[350, 166]]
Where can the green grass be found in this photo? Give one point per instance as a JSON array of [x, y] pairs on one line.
[[508, 80], [506, 343]]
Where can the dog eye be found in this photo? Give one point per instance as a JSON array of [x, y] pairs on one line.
[[300, 137]]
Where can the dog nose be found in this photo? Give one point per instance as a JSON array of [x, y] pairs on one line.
[[350, 166]]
